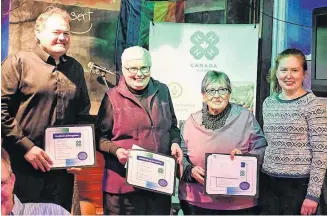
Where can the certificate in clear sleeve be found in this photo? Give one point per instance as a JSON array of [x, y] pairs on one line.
[[238, 177], [70, 146], [151, 171]]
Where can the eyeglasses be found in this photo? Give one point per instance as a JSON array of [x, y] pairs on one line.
[[144, 70], [6, 182], [221, 91]]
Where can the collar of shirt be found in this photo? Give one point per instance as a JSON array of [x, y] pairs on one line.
[[46, 57], [18, 207]]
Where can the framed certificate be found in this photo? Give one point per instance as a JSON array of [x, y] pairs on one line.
[[70, 146], [151, 171], [238, 177]]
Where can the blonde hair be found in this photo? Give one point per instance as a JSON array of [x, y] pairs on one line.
[[272, 79], [52, 11], [6, 159]]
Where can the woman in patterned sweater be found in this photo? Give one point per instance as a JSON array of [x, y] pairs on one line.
[[295, 126]]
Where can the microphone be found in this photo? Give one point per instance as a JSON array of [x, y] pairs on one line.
[[93, 66]]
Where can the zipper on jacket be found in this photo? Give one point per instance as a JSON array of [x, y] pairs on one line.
[[151, 121], [152, 130]]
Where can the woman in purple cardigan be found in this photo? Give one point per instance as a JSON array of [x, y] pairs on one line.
[[220, 127]]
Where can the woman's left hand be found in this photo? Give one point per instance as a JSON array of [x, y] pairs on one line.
[[177, 152], [309, 207], [235, 151]]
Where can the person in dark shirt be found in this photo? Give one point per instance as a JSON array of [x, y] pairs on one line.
[[41, 87], [138, 111]]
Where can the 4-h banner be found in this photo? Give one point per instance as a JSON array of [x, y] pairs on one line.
[[183, 53]]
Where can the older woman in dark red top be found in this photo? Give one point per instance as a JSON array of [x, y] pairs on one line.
[[138, 111]]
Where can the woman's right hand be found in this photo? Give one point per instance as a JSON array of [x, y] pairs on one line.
[[198, 174], [122, 155]]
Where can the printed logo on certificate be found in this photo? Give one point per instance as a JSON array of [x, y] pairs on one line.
[[238, 177], [151, 171], [70, 146]]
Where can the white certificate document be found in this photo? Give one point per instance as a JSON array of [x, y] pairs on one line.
[[70, 146], [151, 171], [231, 177]]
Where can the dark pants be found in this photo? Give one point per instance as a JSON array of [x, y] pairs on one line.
[[322, 207], [282, 196], [51, 187], [140, 202], [189, 209]]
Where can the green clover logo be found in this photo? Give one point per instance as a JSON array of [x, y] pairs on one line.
[[204, 45], [78, 143], [160, 170]]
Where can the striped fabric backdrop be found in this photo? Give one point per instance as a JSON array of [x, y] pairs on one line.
[[136, 15], [134, 22]]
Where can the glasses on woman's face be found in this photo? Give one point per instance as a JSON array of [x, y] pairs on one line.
[[144, 70], [220, 91]]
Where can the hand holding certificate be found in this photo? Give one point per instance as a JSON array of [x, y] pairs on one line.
[[231, 177], [151, 171], [70, 146]]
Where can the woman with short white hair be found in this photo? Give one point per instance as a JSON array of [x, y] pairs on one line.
[[137, 111]]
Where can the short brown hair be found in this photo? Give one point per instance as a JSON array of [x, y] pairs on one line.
[[42, 18], [6, 159]]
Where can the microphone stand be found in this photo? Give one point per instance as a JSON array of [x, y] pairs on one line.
[[103, 76]]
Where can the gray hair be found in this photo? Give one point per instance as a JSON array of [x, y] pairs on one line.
[[52, 11], [134, 53], [215, 77], [6, 159]]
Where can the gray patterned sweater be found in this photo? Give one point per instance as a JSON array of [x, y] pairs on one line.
[[296, 132]]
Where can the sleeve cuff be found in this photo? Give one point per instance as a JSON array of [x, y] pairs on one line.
[[313, 198], [187, 175], [176, 140], [113, 149], [26, 143], [108, 147]]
